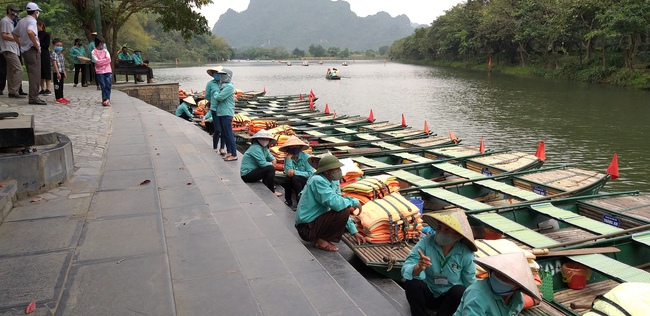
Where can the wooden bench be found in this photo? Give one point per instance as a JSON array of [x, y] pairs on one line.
[[128, 67]]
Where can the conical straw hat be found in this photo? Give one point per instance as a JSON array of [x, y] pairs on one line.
[[264, 134], [293, 141], [456, 220], [218, 69], [515, 267], [190, 100]]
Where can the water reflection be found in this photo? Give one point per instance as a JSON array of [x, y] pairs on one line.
[[581, 124]]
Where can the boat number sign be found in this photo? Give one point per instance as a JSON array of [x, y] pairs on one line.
[[486, 172], [539, 190], [611, 220]]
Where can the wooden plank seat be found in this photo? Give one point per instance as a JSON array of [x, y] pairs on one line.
[[128, 67], [575, 219], [515, 230], [611, 267]]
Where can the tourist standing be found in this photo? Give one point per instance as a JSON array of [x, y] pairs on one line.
[[79, 65], [27, 33], [46, 64], [9, 46], [59, 75], [103, 69]]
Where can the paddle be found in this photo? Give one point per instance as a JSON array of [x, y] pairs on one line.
[[572, 252]]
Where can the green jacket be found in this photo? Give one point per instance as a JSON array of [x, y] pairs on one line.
[[210, 88], [458, 266], [124, 56], [77, 51], [300, 166], [224, 99], [184, 108], [254, 158], [321, 196], [480, 300]]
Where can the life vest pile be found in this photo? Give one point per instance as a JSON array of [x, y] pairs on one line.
[[351, 171], [391, 219], [182, 94], [258, 125], [629, 298], [240, 122], [282, 130], [370, 188]]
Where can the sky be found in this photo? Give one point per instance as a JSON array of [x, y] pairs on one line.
[[418, 11]]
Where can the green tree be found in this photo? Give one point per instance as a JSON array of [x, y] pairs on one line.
[[316, 51], [298, 53]]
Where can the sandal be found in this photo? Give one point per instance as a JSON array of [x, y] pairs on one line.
[[289, 204], [278, 194], [222, 152], [230, 158], [326, 247]]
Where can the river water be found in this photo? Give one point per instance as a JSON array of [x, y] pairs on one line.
[[582, 125]]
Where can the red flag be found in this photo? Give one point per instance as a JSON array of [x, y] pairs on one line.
[[453, 137], [301, 97], [490, 62], [612, 170], [30, 308], [371, 117], [311, 104], [327, 109], [481, 147], [426, 127], [311, 94], [403, 121], [541, 151], [264, 89]]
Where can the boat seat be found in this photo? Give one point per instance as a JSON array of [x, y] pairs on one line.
[[411, 178], [413, 157], [575, 219], [613, 268], [346, 130], [509, 190], [316, 133], [370, 162], [515, 230], [459, 171], [643, 238], [456, 199], [388, 146]]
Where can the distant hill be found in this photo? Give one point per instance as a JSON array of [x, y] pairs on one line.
[[301, 23]]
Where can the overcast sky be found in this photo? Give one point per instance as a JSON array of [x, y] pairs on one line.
[[418, 11]]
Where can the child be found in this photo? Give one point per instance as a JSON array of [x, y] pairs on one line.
[[58, 71], [103, 69]]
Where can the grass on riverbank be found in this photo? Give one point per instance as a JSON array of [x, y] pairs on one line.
[[592, 73]]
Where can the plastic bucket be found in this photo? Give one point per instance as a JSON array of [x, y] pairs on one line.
[[575, 275], [419, 203]]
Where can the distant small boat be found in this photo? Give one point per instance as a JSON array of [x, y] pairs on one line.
[[305, 63], [320, 62], [335, 77], [345, 63], [288, 63]]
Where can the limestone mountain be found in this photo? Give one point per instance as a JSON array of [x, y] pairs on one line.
[[301, 23]]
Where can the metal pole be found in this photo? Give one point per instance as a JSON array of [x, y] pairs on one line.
[[98, 17]]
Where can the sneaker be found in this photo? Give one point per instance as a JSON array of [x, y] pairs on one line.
[[66, 100], [21, 93], [41, 92], [74, 85], [47, 92], [84, 85]]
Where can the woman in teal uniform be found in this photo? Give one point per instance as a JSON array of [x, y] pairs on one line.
[[296, 168]]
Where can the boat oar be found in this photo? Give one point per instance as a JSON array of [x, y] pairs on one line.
[[545, 252]]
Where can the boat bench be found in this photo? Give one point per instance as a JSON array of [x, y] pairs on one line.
[[509, 190], [611, 267], [575, 219], [456, 199], [128, 67], [515, 230]]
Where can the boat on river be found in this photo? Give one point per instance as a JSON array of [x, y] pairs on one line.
[[562, 231]]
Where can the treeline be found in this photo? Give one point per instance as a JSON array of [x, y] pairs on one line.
[[586, 40], [314, 51]]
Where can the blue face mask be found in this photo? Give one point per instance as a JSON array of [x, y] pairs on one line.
[[216, 77], [294, 151], [499, 287], [58, 49]]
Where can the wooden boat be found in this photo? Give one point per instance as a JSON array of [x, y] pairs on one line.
[[288, 63], [528, 226], [334, 77], [345, 63], [305, 63]]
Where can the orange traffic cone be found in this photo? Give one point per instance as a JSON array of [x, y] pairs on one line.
[[541, 151], [481, 147], [612, 170], [453, 137], [327, 109], [403, 121], [426, 127], [371, 117], [264, 90]]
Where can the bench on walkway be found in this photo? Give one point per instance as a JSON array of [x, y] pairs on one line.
[[128, 67]]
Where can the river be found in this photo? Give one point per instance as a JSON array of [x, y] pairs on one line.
[[582, 125]]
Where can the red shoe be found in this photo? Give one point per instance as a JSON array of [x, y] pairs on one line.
[[66, 100], [61, 100]]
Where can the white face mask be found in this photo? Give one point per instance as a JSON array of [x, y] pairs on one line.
[[37, 14], [263, 142]]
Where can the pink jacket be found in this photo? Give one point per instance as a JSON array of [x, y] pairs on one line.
[[102, 61]]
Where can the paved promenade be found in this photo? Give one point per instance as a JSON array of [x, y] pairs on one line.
[[153, 222]]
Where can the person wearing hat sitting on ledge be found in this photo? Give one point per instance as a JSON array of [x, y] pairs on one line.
[[501, 292], [184, 110], [258, 163], [440, 266], [137, 60], [296, 168], [323, 214]]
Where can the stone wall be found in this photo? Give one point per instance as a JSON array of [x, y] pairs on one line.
[[161, 95]]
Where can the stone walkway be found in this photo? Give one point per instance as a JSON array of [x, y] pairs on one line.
[[193, 240]]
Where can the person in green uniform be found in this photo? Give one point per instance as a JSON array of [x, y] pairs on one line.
[[184, 110], [79, 66], [139, 63], [258, 163], [210, 88], [501, 293], [296, 168], [323, 214], [440, 266]]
